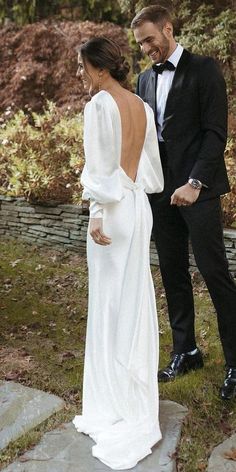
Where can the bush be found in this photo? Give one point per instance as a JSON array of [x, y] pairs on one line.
[[229, 200], [206, 33], [28, 11], [39, 63], [41, 156]]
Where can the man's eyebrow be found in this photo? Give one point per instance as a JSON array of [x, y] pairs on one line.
[[145, 39]]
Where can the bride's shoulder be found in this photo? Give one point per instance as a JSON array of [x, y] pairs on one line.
[[98, 101], [100, 98]]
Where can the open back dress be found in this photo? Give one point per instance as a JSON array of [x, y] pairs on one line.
[[120, 392]]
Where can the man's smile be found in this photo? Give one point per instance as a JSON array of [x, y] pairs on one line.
[[154, 54]]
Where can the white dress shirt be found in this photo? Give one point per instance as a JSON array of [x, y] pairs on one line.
[[164, 83]]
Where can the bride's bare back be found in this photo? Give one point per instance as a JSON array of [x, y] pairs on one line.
[[133, 123]]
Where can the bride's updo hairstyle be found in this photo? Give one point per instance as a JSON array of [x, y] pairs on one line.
[[103, 53]]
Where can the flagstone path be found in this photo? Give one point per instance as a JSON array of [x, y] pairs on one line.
[[66, 450], [23, 408]]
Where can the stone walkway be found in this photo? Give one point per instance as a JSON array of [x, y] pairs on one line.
[[218, 462], [66, 450], [23, 408]]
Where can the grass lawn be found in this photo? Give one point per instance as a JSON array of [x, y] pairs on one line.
[[43, 307]]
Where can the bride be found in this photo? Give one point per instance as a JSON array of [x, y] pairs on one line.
[[120, 394]]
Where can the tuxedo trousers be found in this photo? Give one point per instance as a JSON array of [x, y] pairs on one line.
[[201, 223]]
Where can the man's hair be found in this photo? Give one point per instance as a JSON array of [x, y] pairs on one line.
[[153, 13]]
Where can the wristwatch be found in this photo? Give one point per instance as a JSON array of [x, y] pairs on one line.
[[196, 184]]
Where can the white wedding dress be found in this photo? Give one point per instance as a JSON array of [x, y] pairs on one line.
[[120, 392]]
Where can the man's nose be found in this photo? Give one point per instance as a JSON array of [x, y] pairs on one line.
[[145, 48]]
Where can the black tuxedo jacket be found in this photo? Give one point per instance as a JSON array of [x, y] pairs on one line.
[[195, 123]]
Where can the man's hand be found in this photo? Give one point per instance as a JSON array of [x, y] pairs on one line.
[[185, 195], [96, 232]]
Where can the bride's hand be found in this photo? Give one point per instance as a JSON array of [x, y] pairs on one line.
[[96, 232]]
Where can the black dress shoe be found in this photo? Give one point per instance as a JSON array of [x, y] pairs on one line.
[[228, 389], [180, 365]]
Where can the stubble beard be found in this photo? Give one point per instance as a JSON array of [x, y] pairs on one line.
[[163, 51]]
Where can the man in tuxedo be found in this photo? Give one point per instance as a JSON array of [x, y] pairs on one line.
[[188, 96]]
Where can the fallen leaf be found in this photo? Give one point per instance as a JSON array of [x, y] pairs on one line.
[[226, 428], [67, 355], [12, 375], [39, 267], [230, 455], [61, 427], [24, 459], [202, 467], [14, 263]]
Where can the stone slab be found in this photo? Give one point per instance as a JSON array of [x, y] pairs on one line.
[[217, 461], [66, 450], [23, 408]]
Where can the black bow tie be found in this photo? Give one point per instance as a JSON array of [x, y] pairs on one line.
[[165, 66]]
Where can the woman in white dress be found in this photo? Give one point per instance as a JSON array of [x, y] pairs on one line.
[[122, 163]]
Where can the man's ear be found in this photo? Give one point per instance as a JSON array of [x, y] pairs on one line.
[[168, 29]]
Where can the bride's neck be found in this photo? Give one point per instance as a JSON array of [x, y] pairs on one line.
[[110, 85]]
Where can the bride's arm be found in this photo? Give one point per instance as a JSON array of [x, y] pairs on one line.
[[101, 175]]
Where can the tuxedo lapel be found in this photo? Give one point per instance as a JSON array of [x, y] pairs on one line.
[[177, 85], [151, 91]]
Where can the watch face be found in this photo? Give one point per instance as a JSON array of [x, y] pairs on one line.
[[195, 183]]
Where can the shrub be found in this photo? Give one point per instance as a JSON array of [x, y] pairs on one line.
[[41, 156], [229, 200], [206, 33], [39, 63]]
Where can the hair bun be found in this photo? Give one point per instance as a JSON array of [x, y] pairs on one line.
[[104, 53], [121, 69]]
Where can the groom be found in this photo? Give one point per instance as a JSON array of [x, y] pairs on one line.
[[188, 97]]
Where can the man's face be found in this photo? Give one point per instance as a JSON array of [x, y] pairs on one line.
[[153, 41]]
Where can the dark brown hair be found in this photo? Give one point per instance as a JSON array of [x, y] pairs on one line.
[[103, 53], [154, 13]]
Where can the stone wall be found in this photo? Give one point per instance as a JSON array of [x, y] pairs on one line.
[[65, 227]]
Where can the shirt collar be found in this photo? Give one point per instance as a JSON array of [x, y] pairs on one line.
[[176, 55]]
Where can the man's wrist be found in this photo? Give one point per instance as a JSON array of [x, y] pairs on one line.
[[195, 183]]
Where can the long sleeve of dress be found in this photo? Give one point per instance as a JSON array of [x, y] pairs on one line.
[[101, 174]]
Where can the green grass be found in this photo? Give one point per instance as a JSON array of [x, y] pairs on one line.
[[43, 305]]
